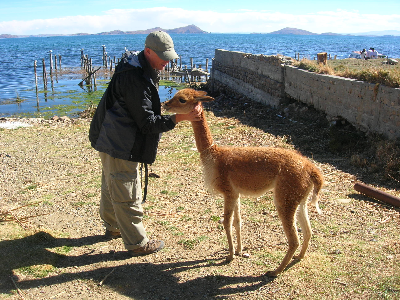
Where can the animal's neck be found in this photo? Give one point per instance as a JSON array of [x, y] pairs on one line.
[[202, 134]]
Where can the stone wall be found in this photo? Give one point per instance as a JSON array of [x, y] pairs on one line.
[[269, 80]]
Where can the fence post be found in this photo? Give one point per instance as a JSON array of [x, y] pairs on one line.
[[36, 82], [104, 55], [44, 75], [206, 68], [51, 63]]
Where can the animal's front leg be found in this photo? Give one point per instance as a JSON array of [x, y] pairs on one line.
[[237, 222], [228, 218], [230, 206]]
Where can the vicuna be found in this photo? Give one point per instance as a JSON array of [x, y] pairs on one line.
[[252, 171]]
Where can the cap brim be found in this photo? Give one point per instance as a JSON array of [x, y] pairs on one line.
[[167, 55]]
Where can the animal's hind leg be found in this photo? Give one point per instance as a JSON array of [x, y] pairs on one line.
[[305, 228], [237, 222], [287, 214], [230, 204]]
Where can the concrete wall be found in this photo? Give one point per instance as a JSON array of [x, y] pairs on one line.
[[268, 79]]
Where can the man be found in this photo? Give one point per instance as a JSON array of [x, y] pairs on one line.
[[126, 129]]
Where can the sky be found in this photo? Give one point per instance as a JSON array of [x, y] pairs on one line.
[[31, 17]]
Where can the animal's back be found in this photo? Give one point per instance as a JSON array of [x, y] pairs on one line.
[[253, 170]]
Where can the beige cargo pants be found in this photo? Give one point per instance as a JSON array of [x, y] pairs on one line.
[[121, 197]]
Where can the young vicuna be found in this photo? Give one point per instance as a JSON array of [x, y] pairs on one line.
[[253, 171]]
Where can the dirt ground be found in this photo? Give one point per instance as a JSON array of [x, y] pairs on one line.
[[51, 239]]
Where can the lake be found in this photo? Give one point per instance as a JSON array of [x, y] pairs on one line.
[[17, 81]]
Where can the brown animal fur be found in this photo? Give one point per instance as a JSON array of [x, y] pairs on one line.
[[253, 171]]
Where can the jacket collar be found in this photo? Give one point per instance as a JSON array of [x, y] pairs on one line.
[[149, 73]]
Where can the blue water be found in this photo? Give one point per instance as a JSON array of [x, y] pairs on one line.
[[17, 80]]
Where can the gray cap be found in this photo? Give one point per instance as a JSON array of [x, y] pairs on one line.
[[161, 43]]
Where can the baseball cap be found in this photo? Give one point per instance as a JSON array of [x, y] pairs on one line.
[[161, 43]]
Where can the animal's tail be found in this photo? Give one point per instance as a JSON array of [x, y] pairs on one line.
[[318, 180]]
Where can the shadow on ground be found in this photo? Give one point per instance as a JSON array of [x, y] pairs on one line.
[[137, 280]]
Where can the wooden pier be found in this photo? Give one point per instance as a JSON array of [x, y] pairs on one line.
[[174, 71]]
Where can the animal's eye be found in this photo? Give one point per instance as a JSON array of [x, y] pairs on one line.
[[182, 101]]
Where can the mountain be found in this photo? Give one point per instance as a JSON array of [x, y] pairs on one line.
[[7, 36], [180, 30], [293, 31], [186, 29]]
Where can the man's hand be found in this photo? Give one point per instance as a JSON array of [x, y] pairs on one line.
[[194, 115]]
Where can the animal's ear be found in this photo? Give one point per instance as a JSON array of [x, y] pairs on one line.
[[202, 97]]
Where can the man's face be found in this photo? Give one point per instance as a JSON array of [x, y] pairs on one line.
[[154, 61]]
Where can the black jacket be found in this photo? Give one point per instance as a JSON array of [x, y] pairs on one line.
[[128, 121]]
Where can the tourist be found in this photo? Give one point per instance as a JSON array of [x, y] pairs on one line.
[[372, 54], [363, 53], [126, 130]]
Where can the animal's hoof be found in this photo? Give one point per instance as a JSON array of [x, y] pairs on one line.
[[271, 274], [229, 258]]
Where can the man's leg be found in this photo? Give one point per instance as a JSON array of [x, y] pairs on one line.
[[124, 190], [107, 213]]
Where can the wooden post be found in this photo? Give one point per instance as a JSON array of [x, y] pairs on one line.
[[87, 61], [55, 62], [44, 75], [51, 63], [377, 194], [82, 58], [104, 55], [191, 69], [90, 70], [322, 57], [60, 60], [206, 69], [36, 82]]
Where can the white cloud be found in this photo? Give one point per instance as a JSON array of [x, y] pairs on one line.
[[339, 21]]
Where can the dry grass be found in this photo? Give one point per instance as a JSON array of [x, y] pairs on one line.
[[372, 70], [354, 252]]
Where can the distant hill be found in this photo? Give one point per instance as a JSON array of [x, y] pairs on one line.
[[7, 36], [294, 31], [379, 33], [194, 29], [180, 30], [186, 29]]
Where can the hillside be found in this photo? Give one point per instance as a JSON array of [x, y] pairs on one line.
[[186, 29], [294, 31], [181, 30]]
